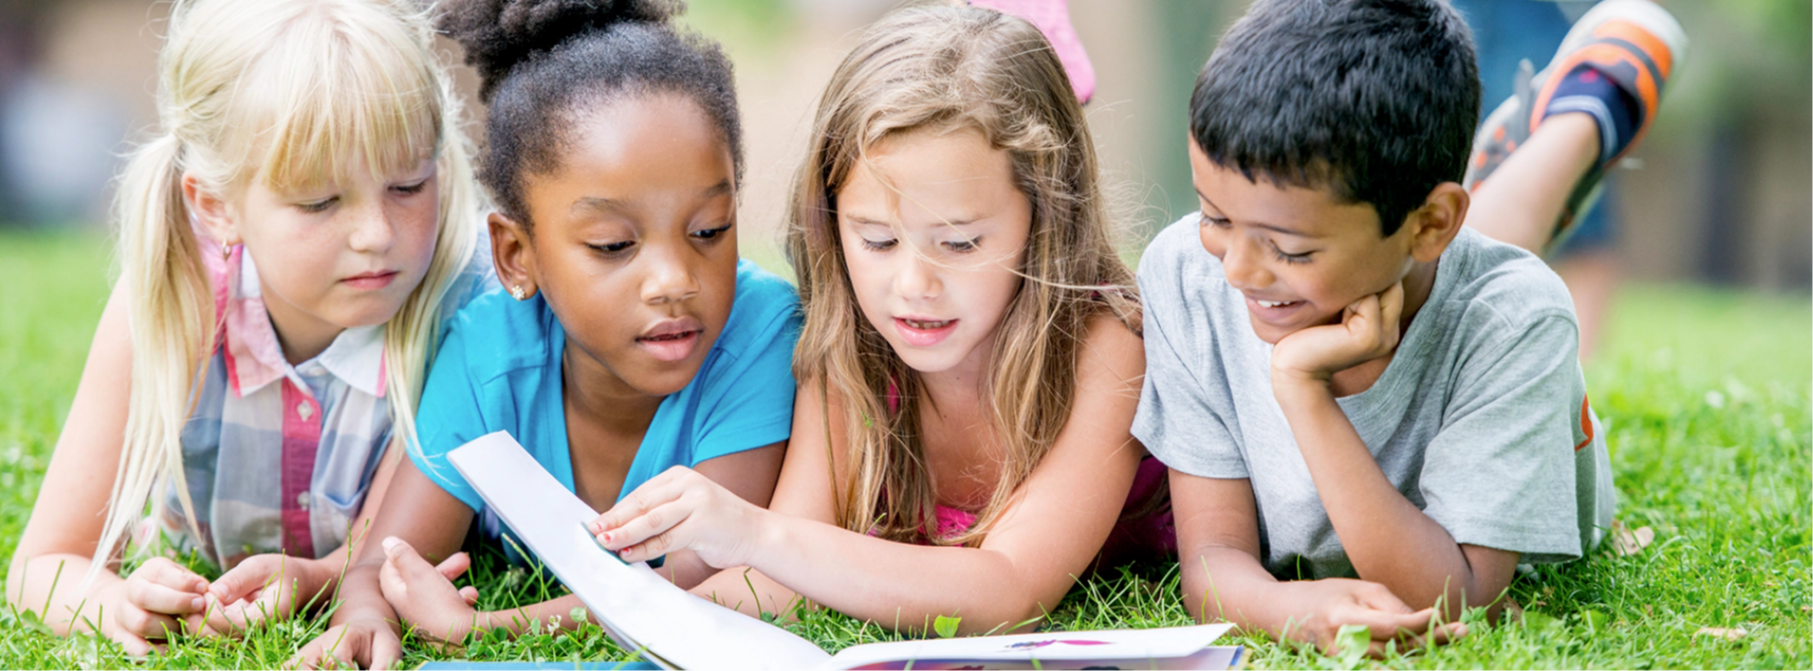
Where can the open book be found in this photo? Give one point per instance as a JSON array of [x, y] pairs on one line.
[[676, 630]]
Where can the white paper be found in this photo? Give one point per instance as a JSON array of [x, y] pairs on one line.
[[679, 629], [1133, 648], [676, 630]]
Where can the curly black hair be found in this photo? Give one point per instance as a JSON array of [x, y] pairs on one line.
[[542, 60]]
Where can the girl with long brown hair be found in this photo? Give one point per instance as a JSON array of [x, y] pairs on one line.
[[970, 362]]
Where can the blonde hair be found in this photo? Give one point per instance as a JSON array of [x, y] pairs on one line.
[[299, 93], [946, 68]]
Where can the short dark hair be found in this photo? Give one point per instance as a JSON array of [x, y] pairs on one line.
[[1375, 100], [543, 60]]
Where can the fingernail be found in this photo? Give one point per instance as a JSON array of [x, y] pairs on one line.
[[390, 543], [195, 603]]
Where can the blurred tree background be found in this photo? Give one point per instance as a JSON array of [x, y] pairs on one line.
[[1722, 192]]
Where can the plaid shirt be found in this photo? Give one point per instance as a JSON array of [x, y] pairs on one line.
[[300, 442]]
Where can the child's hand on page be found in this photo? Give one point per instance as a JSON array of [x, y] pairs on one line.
[[681, 510], [1368, 330], [424, 596]]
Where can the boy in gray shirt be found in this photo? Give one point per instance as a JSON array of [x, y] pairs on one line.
[[1344, 382]]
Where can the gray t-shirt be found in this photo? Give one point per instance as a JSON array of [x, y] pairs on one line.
[[1481, 418]]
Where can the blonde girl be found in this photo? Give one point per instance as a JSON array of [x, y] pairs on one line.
[[969, 365], [290, 242]]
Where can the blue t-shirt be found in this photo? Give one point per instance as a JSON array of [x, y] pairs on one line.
[[499, 369]]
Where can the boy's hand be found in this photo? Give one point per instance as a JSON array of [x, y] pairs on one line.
[[1336, 602], [1368, 330], [681, 510], [264, 587], [424, 596], [159, 598]]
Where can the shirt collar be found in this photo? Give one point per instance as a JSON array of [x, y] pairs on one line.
[[255, 357]]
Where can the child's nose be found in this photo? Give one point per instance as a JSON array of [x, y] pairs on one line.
[[670, 276], [372, 229], [917, 277], [1240, 263]]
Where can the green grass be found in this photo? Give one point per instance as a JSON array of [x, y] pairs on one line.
[[1705, 394]]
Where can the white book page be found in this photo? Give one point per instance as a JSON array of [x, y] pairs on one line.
[[1207, 659], [675, 628], [1141, 648]]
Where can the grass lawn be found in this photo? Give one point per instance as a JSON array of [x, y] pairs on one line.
[[1705, 395]]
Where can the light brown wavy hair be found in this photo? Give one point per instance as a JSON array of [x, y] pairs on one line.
[[940, 69]]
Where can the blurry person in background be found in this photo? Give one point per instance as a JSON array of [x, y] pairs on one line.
[[59, 134]]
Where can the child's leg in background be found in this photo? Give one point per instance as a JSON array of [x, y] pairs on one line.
[[1597, 98]]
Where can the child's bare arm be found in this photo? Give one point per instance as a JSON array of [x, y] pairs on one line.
[[56, 550], [1223, 579], [422, 594], [1023, 568], [1388, 539]]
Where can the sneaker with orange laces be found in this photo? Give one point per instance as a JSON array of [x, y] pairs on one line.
[[1613, 65]]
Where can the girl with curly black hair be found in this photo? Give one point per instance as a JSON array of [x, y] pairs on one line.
[[627, 337]]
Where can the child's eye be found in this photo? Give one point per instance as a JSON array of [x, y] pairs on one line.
[[711, 233], [411, 189], [1288, 257], [1217, 222], [961, 246], [317, 206], [612, 247], [877, 245]]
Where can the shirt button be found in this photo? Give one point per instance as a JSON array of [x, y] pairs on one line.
[[305, 410], [302, 500], [315, 371]]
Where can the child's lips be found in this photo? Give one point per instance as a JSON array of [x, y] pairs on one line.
[[672, 340], [920, 332], [371, 280], [1274, 312]]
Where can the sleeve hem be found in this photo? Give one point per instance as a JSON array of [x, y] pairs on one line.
[[743, 438], [1219, 469], [1541, 546]]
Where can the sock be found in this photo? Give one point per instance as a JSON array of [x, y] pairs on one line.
[[1586, 89]]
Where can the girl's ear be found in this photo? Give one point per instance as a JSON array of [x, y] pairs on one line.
[[1435, 224], [210, 211], [513, 256]]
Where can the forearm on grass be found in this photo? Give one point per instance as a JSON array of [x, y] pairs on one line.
[[1225, 583], [52, 586], [1389, 540], [902, 585], [516, 620], [747, 591]]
